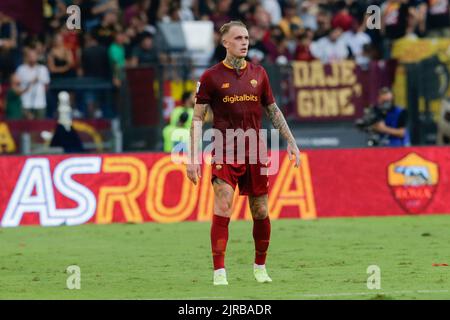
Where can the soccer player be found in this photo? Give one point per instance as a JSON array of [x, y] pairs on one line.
[[237, 92]]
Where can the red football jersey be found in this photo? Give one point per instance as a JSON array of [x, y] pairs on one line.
[[236, 98]]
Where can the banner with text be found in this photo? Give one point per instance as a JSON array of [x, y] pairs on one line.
[[337, 91], [72, 190]]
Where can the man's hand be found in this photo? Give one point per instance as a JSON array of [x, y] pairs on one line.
[[380, 126], [383, 128], [194, 171], [293, 151]]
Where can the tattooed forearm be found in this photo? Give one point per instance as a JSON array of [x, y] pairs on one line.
[[195, 131], [279, 122]]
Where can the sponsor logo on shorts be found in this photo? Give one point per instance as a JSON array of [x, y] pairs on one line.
[[236, 98], [413, 181]]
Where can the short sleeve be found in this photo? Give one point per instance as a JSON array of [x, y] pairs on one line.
[[204, 90], [266, 94]]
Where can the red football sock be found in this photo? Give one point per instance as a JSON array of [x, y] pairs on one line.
[[219, 238], [261, 235]]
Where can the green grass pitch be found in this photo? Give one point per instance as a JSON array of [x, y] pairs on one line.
[[318, 259]]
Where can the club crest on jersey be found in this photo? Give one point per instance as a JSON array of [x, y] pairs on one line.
[[226, 85], [254, 83]]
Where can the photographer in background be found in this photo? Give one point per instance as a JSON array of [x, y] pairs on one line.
[[391, 121]]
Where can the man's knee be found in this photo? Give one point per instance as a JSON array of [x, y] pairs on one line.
[[260, 213], [223, 206], [259, 207], [223, 198]]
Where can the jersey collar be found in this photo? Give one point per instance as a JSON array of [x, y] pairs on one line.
[[230, 67]]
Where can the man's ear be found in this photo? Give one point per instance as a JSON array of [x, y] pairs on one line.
[[224, 43]]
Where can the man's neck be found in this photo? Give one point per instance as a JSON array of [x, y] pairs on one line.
[[236, 63]]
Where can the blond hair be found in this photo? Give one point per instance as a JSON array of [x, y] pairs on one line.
[[227, 26]]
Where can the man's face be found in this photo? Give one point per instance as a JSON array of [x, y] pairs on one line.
[[385, 97], [335, 34], [32, 57], [236, 41], [385, 101], [110, 18], [147, 43]]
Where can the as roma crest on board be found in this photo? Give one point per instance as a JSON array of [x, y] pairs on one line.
[[413, 181], [254, 83]]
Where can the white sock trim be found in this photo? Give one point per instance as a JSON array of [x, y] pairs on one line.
[[259, 266]]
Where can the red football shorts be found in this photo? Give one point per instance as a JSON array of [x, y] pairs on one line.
[[247, 176]]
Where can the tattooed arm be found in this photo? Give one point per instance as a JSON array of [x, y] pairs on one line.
[[193, 166], [279, 122]]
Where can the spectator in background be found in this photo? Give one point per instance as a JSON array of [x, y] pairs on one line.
[[94, 59], [219, 51], [323, 24], [290, 21], [203, 9], [271, 42], [303, 49], [71, 40], [145, 53], [54, 12], [138, 25], [260, 17], [137, 10], [221, 14], [95, 63], [177, 135], [342, 19], [94, 11], [394, 21], [109, 26], [60, 59], [13, 101], [274, 10], [307, 13], [34, 78], [186, 107], [41, 50], [173, 12], [256, 50], [437, 16], [117, 59], [356, 40], [186, 13], [8, 44], [331, 48]]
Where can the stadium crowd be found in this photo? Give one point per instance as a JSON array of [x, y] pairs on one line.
[[121, 33]]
